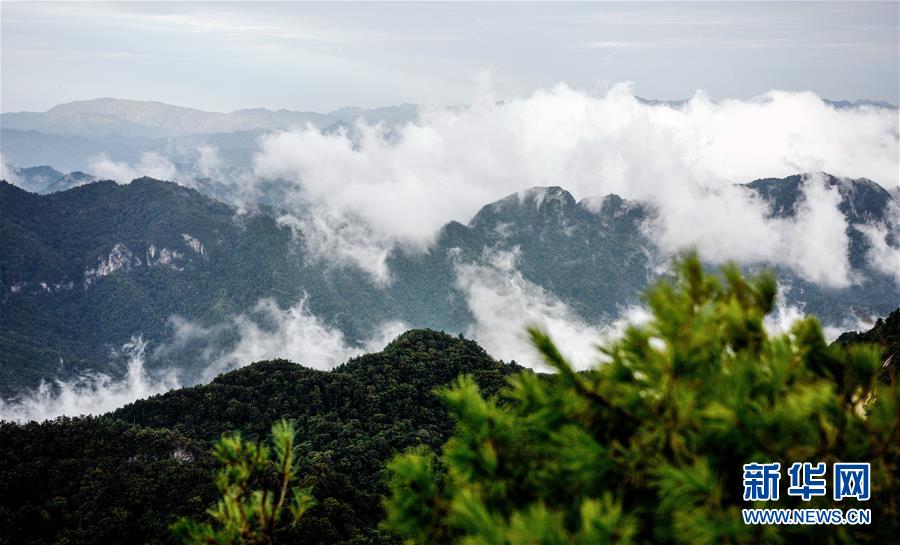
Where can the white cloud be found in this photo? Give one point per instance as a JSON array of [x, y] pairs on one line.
[[406, 182], [8, 173], [268, 332], [504, 303], [342, 240], [816, 243], [732, 224], [94, 393], [782, 319], [882, 255], [208, 161], [151, 164]]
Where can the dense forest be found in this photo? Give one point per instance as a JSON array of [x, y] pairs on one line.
[[125, 477]]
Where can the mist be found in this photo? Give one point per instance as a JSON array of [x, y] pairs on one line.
[[266, 332], [359, 192], [92, 393], [403, 183], [269, 331], [504, 303], [8, 173]]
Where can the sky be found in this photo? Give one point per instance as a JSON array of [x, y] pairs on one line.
[[310, 56]]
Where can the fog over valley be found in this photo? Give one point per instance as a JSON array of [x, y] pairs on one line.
[[361, 224]]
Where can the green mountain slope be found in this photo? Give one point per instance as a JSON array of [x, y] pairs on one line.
[[124, 477]]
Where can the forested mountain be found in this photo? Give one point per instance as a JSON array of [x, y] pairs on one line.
[[84, 270], [862, 202], [124, 477]]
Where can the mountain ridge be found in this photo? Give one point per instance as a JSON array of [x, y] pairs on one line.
[[153, 119], [150, 118], [85, 270], [149, 462]]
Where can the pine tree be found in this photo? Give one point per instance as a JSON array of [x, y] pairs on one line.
[[648, 447], [258, 499]]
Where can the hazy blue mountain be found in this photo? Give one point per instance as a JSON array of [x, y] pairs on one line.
[[46, 179], [859, 103], [83, 270], [134, 118], [71, 152], [37, 178], [70, 180]]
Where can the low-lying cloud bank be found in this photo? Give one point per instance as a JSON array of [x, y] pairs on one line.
[[502, 302], [884, 244], [8, 173], [151, 164], [267, 332], [93, 393]]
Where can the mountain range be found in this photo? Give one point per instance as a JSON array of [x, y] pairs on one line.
[[134, 118], [46, 179], [73, 135], [148, 119], [85, 270]]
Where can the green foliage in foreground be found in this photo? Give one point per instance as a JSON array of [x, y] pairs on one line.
[[649, 447], [258, 499]]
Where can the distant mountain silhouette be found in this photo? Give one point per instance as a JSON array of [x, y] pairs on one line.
[[135, 118]]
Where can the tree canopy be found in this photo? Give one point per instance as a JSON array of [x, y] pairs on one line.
[[259, 496], [649, 446]]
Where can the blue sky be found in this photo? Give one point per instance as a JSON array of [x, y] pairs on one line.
[[226, 56]]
